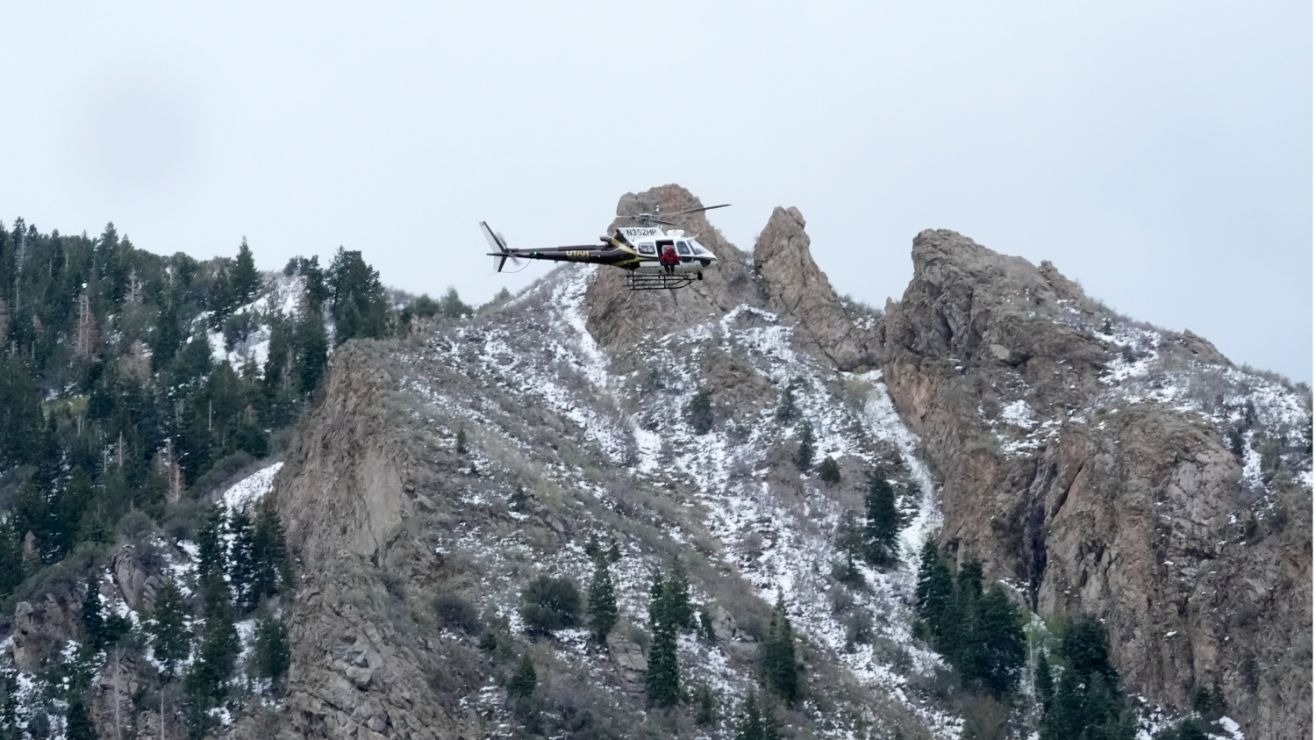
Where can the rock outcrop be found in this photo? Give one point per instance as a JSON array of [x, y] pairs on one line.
[[42, 627], [781, 276], [797, 287], [1085, 457], [619, 317], [346, 492]]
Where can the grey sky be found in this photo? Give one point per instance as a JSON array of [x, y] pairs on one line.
[[1158, 153]]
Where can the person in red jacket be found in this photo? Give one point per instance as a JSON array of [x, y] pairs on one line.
[[668, 259]]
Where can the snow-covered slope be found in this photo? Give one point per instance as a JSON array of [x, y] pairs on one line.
[[619, 432]]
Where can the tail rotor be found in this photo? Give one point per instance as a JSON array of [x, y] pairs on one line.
[[499, 243]]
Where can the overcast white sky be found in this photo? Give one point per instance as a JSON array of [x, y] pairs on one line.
[[1158, 153]]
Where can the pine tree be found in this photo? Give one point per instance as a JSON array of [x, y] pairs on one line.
[[451, 305], [11, 558], [804, 455], [828, 471], [522, 683], [967, 657], [170, 640], [212, 559], [1001, 643], [272, 654], [9, 729], [1209, 701], [658, 602], [317, 287], [662, 676], [207, 682], [1086, 650], [592, 548], [705, 706], [750, 726], [602, 602], [271, 566], [241, 560], [849, 537], [21, 422], [30, 518], [935, 594], [786, 410], [245, 279], [680, 611], [167, 337], [197, 718], [93, 614], [881, 523], [1086, 703], [220, 299], [662, 673], [359, 305], [779, 668], [78, 724], [277, 374], [311, 345], [1043, 682], [700, 412], [771, 728], [706, 629]]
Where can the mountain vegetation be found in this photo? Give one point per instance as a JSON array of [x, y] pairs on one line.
[[133, 387]]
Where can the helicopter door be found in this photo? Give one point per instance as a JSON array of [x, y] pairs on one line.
[[683, 249]]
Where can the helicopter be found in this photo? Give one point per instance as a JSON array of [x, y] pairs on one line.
[[654, 257]]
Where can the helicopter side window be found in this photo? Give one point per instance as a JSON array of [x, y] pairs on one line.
[[647, 249], [683, 249]]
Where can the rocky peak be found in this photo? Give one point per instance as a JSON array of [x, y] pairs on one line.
[[975, 297], [1087, 458], [782, 277], [617, 316], [796, 286]]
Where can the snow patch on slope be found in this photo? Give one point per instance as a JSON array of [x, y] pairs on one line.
[[250, 490]]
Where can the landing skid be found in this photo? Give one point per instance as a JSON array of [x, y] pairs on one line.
[[661, 281]]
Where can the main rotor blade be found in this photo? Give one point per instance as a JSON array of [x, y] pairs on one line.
[[696, 210]]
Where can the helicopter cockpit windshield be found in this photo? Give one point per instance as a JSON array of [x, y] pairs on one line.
[[692, 248]]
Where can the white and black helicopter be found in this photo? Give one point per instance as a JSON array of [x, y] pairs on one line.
[[654, 257]]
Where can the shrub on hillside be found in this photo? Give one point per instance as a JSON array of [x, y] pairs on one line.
[[549, 604], [456, 613]]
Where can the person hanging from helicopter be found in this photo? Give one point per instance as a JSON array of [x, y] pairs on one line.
[[668, 259]]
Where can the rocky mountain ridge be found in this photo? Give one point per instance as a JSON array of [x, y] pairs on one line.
[[1061, 457], [1088, 458], [1094, 464]]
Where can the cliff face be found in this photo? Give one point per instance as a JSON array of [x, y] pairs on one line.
[[350, 502], [1088, 458], [455, 468]]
